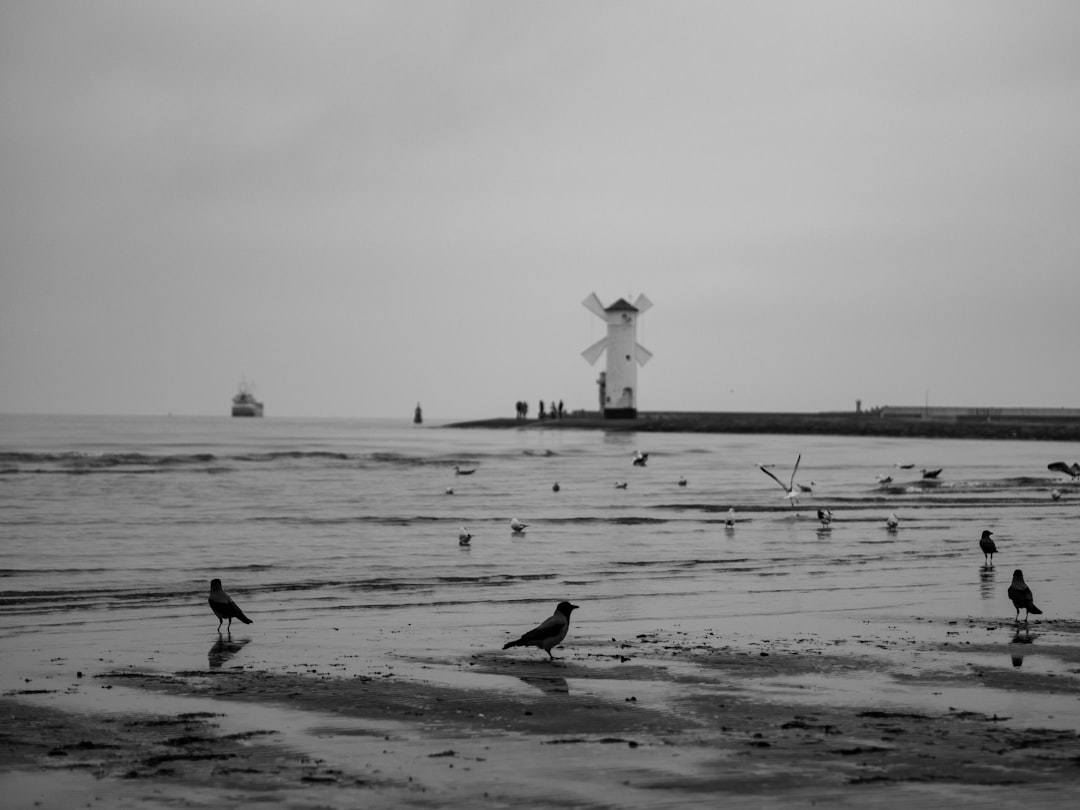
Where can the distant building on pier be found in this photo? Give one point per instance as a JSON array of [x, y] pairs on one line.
[[618, 383]]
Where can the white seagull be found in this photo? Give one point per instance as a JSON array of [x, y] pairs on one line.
[[791, 490], [517, 527], [730, 522], [548, 633], [892, 521]]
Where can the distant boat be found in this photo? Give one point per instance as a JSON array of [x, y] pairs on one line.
[[245, 404]]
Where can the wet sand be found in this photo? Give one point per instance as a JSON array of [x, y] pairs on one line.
[[873, 716]]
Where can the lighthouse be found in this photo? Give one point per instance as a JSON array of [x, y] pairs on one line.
[[618, 384]]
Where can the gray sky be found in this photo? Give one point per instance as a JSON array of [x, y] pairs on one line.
[[362, 205]]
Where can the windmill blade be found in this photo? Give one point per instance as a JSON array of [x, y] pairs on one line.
[[592, 354], [592, 303], [643, 354], [642, 303]]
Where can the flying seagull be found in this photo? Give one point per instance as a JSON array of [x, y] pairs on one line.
[[548, 633], [223, 605], [1062, 467], [989, 549], [791, 490], [517, 527], [1022, 597], [464, 537]]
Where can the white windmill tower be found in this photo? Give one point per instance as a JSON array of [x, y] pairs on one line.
[[618, 385]]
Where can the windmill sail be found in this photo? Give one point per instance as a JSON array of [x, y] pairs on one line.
[[592, 354], [592, 303]]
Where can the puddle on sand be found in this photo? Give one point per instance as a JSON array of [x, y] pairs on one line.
[[1017, 709]]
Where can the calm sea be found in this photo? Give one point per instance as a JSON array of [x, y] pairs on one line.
[[121, 522]]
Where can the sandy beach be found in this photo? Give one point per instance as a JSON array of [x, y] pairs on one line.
[[665, 718], [773, 663]]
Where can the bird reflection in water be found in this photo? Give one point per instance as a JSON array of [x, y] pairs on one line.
[[223, 649], [986, 582], [548, 685], [1017, 653]]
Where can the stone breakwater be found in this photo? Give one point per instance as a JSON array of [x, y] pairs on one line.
[[835, 424]]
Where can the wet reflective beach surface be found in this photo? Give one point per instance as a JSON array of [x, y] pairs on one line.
[[340, 540]]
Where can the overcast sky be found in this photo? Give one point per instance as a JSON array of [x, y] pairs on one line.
[[362, 205]]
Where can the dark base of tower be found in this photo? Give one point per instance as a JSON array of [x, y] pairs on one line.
[[620, 413]]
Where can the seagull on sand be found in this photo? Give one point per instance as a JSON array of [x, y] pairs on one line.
[[988, 548], [883, 479], [1055, 494], [1022, 597], [825, 516], [548, 633], [459, 471], [682, 481], [555, 487], [517, 527], [791, 490], [620, 485], [730, 522], [892, 521], [223, 605], [464, 537], [640, 458], [931, 473]]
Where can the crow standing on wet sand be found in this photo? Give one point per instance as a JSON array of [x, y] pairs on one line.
[[1021, 596], [549, 633], [223, 605], [989, 549]]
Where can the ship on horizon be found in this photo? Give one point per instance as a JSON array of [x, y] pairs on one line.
[[244, 403]]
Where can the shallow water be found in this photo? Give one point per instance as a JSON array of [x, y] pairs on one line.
[[339, 538]]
